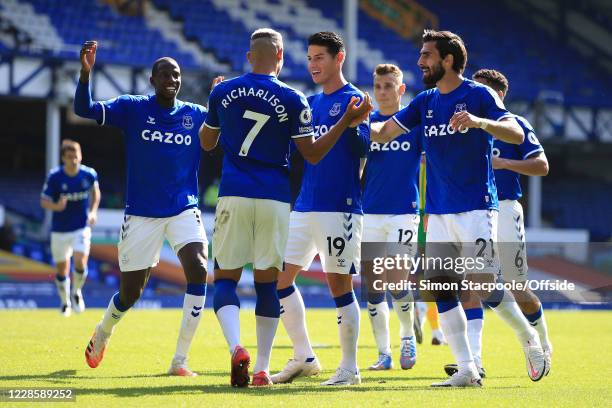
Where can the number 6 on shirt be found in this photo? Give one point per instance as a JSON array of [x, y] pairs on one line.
[[260, 120]]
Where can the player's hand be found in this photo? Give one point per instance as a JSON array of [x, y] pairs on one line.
[[92, 217], [356, 114], [217, 81], [88, 55], [498, 163], [61, 204], [464, 120]]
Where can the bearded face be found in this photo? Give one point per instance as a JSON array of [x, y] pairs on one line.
[[431, 75]]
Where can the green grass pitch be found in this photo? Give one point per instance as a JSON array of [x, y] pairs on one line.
[[42, 349]]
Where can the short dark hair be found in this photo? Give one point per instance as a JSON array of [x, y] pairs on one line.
[[160, 61], [69, 145], [448, 43], [328, 39], [494, 79]]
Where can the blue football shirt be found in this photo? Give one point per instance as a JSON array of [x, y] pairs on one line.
[[459, 170], [258, 116], [333, 185], [163, 153], [76, 190], [392, 173], [508, 181]]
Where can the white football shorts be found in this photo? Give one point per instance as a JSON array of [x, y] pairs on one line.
[[64, 244], [402, 230], [141, 238], [511, 241], [471, 236], [250, 230], [334, 236]]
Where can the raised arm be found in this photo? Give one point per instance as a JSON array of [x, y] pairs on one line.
[[210, 130], [84, 105], [314, 150]]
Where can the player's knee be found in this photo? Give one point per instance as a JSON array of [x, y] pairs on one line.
[[402, 295], [339, 284], [441, 289], [225, 294], [195, 269], [470, 300], [287, 278], [528, 302], [130, 295], [62, 268], [284, 281], [376, 297], [62, 273], [267, 304]]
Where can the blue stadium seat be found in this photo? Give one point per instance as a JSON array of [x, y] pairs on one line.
[[579, 204], [123, 39]]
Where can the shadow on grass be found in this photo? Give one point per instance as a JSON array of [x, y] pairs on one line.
[[176, 390], [305, 386], [314, 346], [54, 377], [70, 375]]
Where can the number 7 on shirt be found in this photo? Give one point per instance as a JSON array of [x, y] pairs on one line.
[[260, 120]]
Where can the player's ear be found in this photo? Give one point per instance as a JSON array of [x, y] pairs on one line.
[[340, 57], [402, 89], [151, 81], [448, 61], [249, 55]]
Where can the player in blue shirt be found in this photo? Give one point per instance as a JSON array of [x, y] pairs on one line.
[[509, 162], [327, 218], [256, 117], [71, 191], [163, 157], [460, 117], [390, 206]]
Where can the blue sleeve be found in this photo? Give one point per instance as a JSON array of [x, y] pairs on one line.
[[410, 116], [531, 144], [493, 107], [199, 115], [359, 142], [84, 106], [300, 117], [50, 191], [94, 176], [116, 111], [212, 118], [203, 113], [418, 138]]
